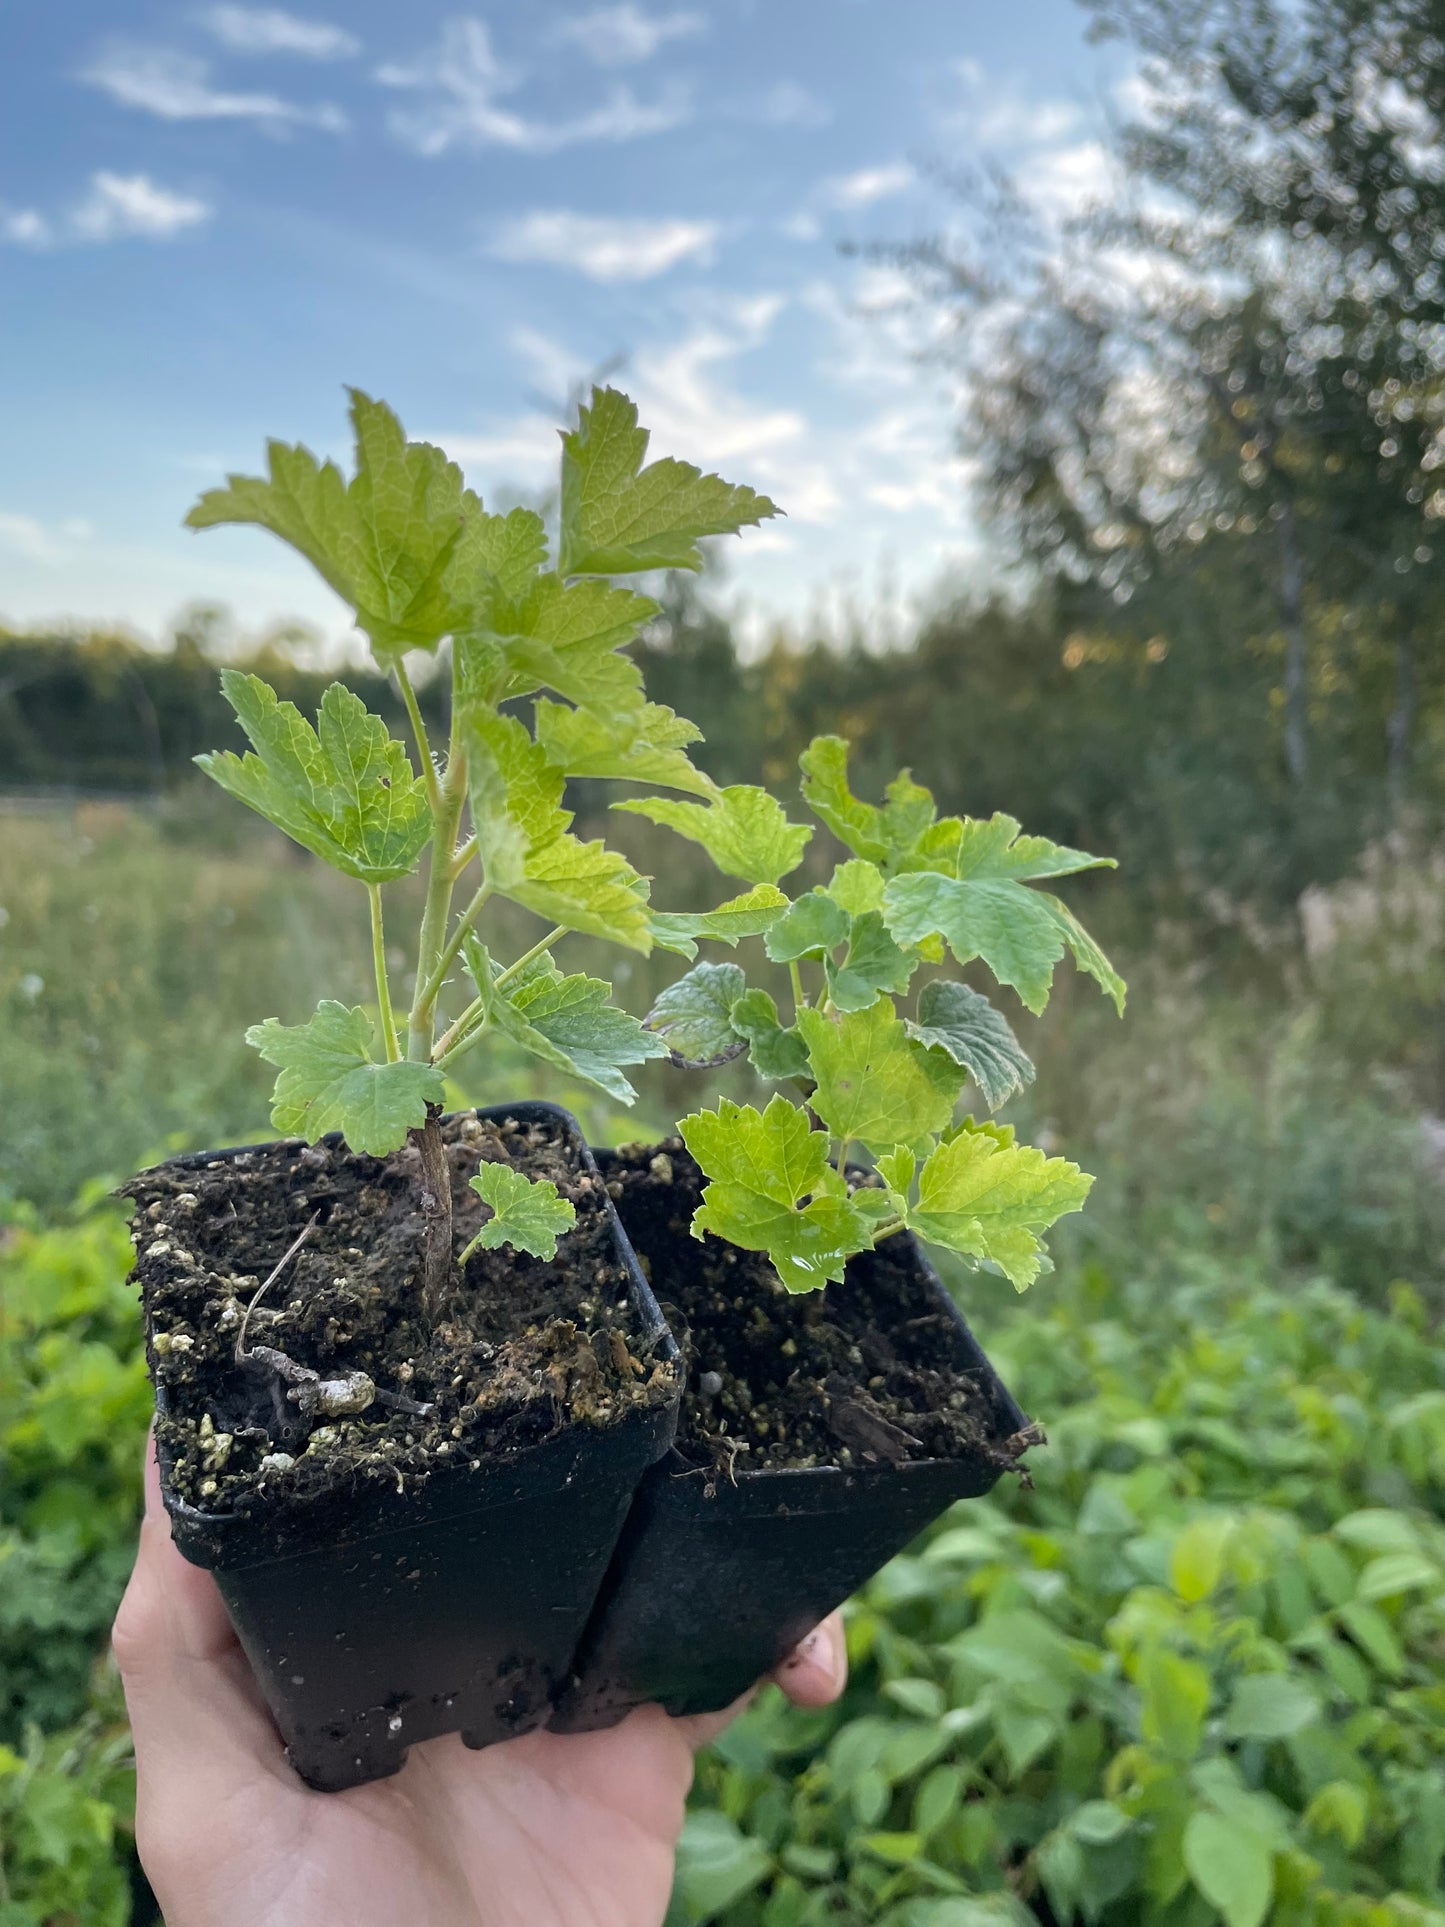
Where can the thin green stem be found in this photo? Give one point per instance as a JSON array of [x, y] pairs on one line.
[[436, 914], [843, 1150], [383, 988], [455, 941], [799, 1000], [514, 969], [462, 1035], [423, 746], [463, 857], [887, 1228]]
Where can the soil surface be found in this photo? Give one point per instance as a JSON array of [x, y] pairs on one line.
[[866, 1372], [524, 1348]]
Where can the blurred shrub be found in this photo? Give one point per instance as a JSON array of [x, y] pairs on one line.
[[74, 1405], [1193, 1676]]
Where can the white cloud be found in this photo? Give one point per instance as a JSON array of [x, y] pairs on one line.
[[461, 85], [604, 249], [622, 36], [33, 541], [868, 185], [787, 104], [175, 86], [997, 113], [119, 207], [267, 30]]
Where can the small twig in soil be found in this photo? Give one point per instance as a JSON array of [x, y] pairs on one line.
[[310, 1395]]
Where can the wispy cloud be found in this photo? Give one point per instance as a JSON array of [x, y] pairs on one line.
[[622, 36], [997, 113], [35, 541], [118, 207], [461, 85], [268, 30], [176, 86], [786, 104], [621, 248], [847, 193]]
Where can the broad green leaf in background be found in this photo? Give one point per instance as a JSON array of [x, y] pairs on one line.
[[694, 1014], [570, 1023], [344, 791], [775, 1050], [527, 1212], [1269, 1706], [953, 1018], [1175, 1693], [618, 516], [873, 1084], [1231, 1866], [992, 1200], [743, 830], [1019, 933], [636, 743], [386, 541], [1196, 1559], [716, 1866], [761, 1166], [748, 915], [330, 1081], [522, 837]]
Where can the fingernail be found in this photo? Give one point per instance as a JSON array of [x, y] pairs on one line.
[[805, 1650]]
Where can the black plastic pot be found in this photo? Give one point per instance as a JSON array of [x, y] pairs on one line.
[[457, 1608], [713, 1583]]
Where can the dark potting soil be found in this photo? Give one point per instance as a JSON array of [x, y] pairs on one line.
[[524, 1347], [859, 1373]]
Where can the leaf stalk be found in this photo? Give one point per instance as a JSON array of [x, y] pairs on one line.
[[383, 987]]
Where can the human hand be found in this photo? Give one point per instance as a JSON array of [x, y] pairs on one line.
[[548, 1830]]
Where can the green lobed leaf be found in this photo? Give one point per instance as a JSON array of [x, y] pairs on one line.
[[522, 838], [344, 791], [812, 927], [775, 1051], [743, 830], [527, 1212], [634, 742], [991, 1199], [748, 915], [993, 848], [873, 1084], [953, 1018], [873, 962], [762, 1166], [1019, 933], [561, 636], [330, 1082], [694, 1015], [400, 542], [857, 885], [890, 835], [618, 516], [570, 1023]]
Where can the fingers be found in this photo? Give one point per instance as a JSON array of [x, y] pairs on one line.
[[193, 1705], [813, 1674], [816, 1671]]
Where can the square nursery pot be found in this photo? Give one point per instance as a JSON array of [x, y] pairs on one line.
[[443, 1583], [720, 1571]]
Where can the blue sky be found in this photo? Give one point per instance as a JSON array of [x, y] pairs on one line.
[[213, 216]]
